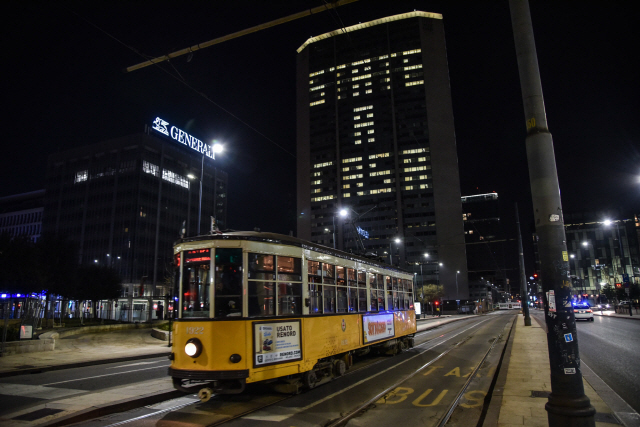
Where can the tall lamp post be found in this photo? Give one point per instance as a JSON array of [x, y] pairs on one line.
[[342, 213], [397, 240]]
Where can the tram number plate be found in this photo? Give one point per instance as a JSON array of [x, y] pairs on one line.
[[195, 330]]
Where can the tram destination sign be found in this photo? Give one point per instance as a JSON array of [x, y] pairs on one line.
[[276, 342], [182, 137]]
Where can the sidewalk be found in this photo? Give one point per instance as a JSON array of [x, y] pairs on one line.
[[87, 349], [524, 383]]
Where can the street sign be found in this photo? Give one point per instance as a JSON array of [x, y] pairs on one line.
[[625, 278]]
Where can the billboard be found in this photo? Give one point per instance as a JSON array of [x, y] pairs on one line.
[[377, 327], [276, 342]]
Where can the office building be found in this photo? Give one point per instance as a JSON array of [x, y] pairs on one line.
[[376, 138], [124, 202], [487, 246], [603, 250], [21, 214]]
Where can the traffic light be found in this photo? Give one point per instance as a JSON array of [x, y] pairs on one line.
[[535, 276], [618, 285], [437, 302]]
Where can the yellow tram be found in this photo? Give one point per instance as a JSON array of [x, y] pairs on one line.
[[263, 307]]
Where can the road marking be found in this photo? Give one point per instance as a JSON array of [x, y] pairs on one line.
[[36, 391], [136, 364], [105, 375], [291, 411]]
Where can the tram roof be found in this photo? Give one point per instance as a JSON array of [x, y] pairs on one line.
[[283, 239]]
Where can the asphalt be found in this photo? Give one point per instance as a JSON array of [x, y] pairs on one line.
[[525, 368]]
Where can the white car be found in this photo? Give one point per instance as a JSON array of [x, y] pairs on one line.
[[583, 311]]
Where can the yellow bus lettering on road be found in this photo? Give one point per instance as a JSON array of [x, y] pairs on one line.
[[398, 395], [454, 371], [476, 396], [425, 394], [431, 369]]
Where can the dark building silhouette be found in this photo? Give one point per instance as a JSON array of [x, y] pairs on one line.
[[21, 214], [376, 137], [124, 202]]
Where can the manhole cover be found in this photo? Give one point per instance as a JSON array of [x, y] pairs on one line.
[[538, 393], [35, 415]]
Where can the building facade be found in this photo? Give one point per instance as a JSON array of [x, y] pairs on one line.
[[486, 246], [376, 139], [603, 250], [21, 214], [124, 202]]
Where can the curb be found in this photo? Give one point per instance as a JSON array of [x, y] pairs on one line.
[[114, 407], [37, 370], [635, 317]]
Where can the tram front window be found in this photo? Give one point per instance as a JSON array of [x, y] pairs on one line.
[[228, 282], [195, 294]]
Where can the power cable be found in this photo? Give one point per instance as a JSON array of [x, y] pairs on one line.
[[180, 79]]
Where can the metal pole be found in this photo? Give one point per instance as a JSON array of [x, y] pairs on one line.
[[523, 277], [622, 265], [568, 406], [200, 194], [334, 231], [390, 254]]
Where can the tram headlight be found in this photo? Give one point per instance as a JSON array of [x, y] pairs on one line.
[[193, 347]]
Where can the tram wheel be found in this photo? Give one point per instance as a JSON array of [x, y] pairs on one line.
[[309, 379], [339, 367], [205, 394]]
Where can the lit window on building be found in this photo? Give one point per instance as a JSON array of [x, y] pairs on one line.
[[352, 159], [81, 176], [368, 91], [356, 117], [378, 156], [316, 88], [322, 165], [150, 168], [371, 140], [417, 82], [321, 101], [366, 107], [370, 131]]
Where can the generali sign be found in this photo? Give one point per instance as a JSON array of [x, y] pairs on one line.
[[183, 137]]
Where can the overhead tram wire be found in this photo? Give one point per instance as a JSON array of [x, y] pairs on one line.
[[181, 79]]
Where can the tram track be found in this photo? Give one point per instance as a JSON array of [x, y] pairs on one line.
[[244, 411]]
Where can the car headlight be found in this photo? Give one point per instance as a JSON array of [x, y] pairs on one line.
[[193, 347]]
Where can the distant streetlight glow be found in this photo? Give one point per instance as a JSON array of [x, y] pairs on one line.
[[607, 222], [584, 243], [426, 255]]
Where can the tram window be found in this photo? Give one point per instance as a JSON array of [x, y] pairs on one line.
[[401, 300], [388, 280], [329, 298], [261, 298], [395, 283], [289, 268], [228, 291], [380, 300], [362, 279], [389, 300], [340, 275], [380, 281], [314, 270], [374, 300], [195, 290], [353, 299], [362, 299], [315, 298], [401, 284], [261, 267], [395, 300], [289, 298], [328, 273], [341, 299], [409, 286], [351, 276]]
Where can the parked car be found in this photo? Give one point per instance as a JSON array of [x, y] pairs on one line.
[[583, 311]]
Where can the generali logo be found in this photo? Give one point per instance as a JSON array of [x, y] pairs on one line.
[[182, 137]]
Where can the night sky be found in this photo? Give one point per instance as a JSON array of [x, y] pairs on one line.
[[63, 86]]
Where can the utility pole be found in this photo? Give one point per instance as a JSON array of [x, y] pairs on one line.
[[523, 276], [568, 406]]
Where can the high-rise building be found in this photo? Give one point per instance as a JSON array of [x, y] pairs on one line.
[[376, 138], [124, 202]]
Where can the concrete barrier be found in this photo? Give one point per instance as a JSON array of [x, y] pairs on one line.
[[29, 346], [160, 334]]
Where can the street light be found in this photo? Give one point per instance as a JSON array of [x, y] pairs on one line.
[[342, 212], [216, 148], [391, 250]]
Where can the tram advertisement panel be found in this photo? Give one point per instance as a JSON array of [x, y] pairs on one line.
[[276, 342], [377, 327]]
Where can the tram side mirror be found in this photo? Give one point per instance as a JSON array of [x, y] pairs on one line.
[[307, 302]]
